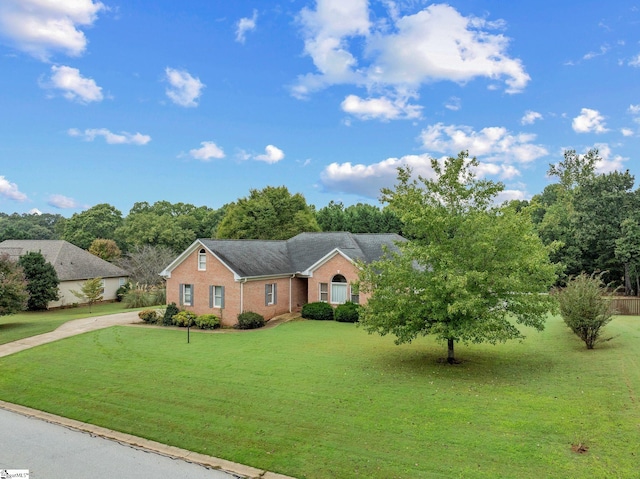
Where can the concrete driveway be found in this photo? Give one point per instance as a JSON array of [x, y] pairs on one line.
[[70, 328]]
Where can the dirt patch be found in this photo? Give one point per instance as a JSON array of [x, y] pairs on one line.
[[579, 448]]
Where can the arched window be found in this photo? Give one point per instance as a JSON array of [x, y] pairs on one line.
[[338, 289], [202, 260]]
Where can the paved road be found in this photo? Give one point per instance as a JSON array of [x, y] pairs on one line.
[[50, 451]]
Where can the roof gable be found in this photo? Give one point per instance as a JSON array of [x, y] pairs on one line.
[[70, 262]]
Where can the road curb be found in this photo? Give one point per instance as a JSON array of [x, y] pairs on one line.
[[240, 470]]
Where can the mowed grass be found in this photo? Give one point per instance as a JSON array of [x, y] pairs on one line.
[[32, 323], [326, 400]]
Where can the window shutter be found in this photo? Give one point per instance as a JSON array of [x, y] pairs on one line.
[[211, 290], [266, 295], [222, 294], [275, 293], [193, 295], [181, 301]]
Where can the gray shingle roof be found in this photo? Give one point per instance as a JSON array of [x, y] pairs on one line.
[[249, 258], [70, 262]]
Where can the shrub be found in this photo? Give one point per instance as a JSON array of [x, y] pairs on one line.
[[585, 308], [148, 316], [184, 318], [122, 291], [159, 296], [208, 321], [348, 312], [249, 320], [169, 313], [318, 310], [137, 298]]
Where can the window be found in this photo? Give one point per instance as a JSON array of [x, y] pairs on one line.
[[202, 260], [122, 281], [103, 283], [186, 295], [270, 294], [324, 292], [355, 294], [338, 289], [216, 296]]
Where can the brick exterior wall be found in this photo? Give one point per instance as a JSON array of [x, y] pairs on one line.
[[325, 273], [291, 293], [238, 297]]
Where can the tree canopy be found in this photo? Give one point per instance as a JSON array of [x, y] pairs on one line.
[[175, 226], [470, 268], [99, 221], [359, 218], [270, 213], [42, 280], [13, 287]]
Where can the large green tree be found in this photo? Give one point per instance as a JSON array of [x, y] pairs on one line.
[[270, 213], [472, 271], [30, 226], [359, 218], [13, 287], [42, 280], [99, 221], [175, 226]]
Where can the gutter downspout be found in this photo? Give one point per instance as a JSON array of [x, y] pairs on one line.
[[290, 291], [242, 281]]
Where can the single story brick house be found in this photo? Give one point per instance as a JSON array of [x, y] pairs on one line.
[[73, 266], [228, 277]]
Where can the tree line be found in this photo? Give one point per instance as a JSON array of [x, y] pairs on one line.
[[590, 222]]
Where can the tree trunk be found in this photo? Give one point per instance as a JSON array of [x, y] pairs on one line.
[[628, 287], [450, 357]]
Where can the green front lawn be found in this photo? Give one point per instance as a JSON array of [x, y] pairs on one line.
[[326, 400], [32, 323]]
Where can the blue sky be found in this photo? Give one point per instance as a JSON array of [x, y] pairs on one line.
[[200, 101]]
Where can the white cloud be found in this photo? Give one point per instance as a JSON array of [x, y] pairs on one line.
[[184, 89], [589, 121], [530, 117], [591, 55], [380, 108], [121, 138], [635, 61], [402, 52], [272, 155], [207, 151], [245, 25], [627, 132], [634, 109], [10, 190], [41, 27], [495, 143], [368, 180], [62, 202], [74, 86], [35, 211], [609, 161], [454, 104]]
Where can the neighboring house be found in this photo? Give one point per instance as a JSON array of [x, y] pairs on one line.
[[228, 277], [73, 266]]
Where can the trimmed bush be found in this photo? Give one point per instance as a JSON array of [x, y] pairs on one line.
[[184, 318], [148, 316], [249, 320], [122, 291], [208, 321], [319, 310], [348, 312], [169, 313], [585, 308]]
